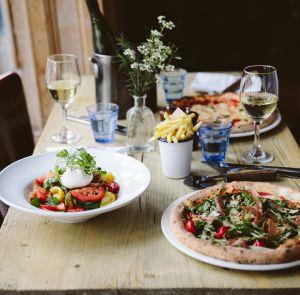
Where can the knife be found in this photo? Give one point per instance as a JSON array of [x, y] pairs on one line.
[[281, 171], [122, 130], [235, 173], [202, 181]]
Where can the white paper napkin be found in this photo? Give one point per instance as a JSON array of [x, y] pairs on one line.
[[212, 82]]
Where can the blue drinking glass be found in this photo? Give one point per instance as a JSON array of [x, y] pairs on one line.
[[214, 140], [173, 84], [103, 118]]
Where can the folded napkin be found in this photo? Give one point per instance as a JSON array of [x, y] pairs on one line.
[[212, 82]]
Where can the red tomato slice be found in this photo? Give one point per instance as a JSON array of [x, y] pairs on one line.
[[79, 209], [41, 193], [190, 226], [40, 180], [61, 206], [220, 234], [234, 121], [259, 243], [88, 194], [49, 207], [113, 187]]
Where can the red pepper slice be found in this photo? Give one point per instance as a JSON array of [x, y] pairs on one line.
[[220, 234], [48, 207]]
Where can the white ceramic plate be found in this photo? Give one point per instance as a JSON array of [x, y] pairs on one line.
[[262, 130], [210, 260], [16, 182]]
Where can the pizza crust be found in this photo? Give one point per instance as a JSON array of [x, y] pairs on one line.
[[286, 252], [250, 126]]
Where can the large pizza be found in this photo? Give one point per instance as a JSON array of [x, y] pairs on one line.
[[242, 222], [226, 106]]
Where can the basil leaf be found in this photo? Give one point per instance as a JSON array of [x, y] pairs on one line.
[[62, 154], [35, 202]]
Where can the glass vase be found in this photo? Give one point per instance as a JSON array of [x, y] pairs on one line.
[[140, 126]]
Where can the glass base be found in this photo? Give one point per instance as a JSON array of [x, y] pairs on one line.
[[141, 149], [104, 140], [248, 157], [68, 137]]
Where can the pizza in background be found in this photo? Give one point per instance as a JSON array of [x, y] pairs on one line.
[[226, 106]]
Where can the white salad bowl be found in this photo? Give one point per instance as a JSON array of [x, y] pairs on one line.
[[16, 182]]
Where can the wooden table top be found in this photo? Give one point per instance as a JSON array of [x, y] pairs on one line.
[[125, 249]]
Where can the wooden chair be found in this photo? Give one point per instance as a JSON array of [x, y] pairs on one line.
[[16, 139]]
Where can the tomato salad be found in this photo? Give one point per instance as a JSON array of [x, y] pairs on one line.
[[63, 189]]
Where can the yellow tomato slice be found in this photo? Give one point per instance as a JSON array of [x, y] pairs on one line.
[[108, 199], [57, 192]]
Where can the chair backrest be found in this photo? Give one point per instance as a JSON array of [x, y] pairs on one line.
[[16, 139]]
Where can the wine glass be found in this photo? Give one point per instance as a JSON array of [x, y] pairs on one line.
[[63, 81], [259, 96]]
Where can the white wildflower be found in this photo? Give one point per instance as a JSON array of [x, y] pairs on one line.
[[161, 67], [145, 67], [169, 68], [161, 18], [168, 25], [157, 77], [143, 49], [156, 33], [130, 53], [134, 65]]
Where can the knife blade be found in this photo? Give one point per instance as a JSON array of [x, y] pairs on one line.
[[281, 171]]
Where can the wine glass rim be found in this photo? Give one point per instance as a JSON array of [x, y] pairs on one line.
[[70, 57], [272, 69]]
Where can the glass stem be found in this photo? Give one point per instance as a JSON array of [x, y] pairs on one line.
[[257, 151], [64, 129]]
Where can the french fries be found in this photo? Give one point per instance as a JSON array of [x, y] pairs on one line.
[[175, 127]]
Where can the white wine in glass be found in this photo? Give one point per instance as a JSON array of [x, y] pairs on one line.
[[259, 96], [63, 81], [63, 91]]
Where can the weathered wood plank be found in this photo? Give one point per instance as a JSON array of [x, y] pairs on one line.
[[124, 252]]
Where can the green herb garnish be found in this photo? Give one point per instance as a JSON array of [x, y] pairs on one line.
[[80, 158], [91, 205], [50, 182]]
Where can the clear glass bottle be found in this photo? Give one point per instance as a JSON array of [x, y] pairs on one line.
[[140, 126]]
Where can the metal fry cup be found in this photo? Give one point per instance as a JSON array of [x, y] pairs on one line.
[[176, 158]]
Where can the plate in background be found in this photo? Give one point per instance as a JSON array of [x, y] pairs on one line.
[[262, 130]]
